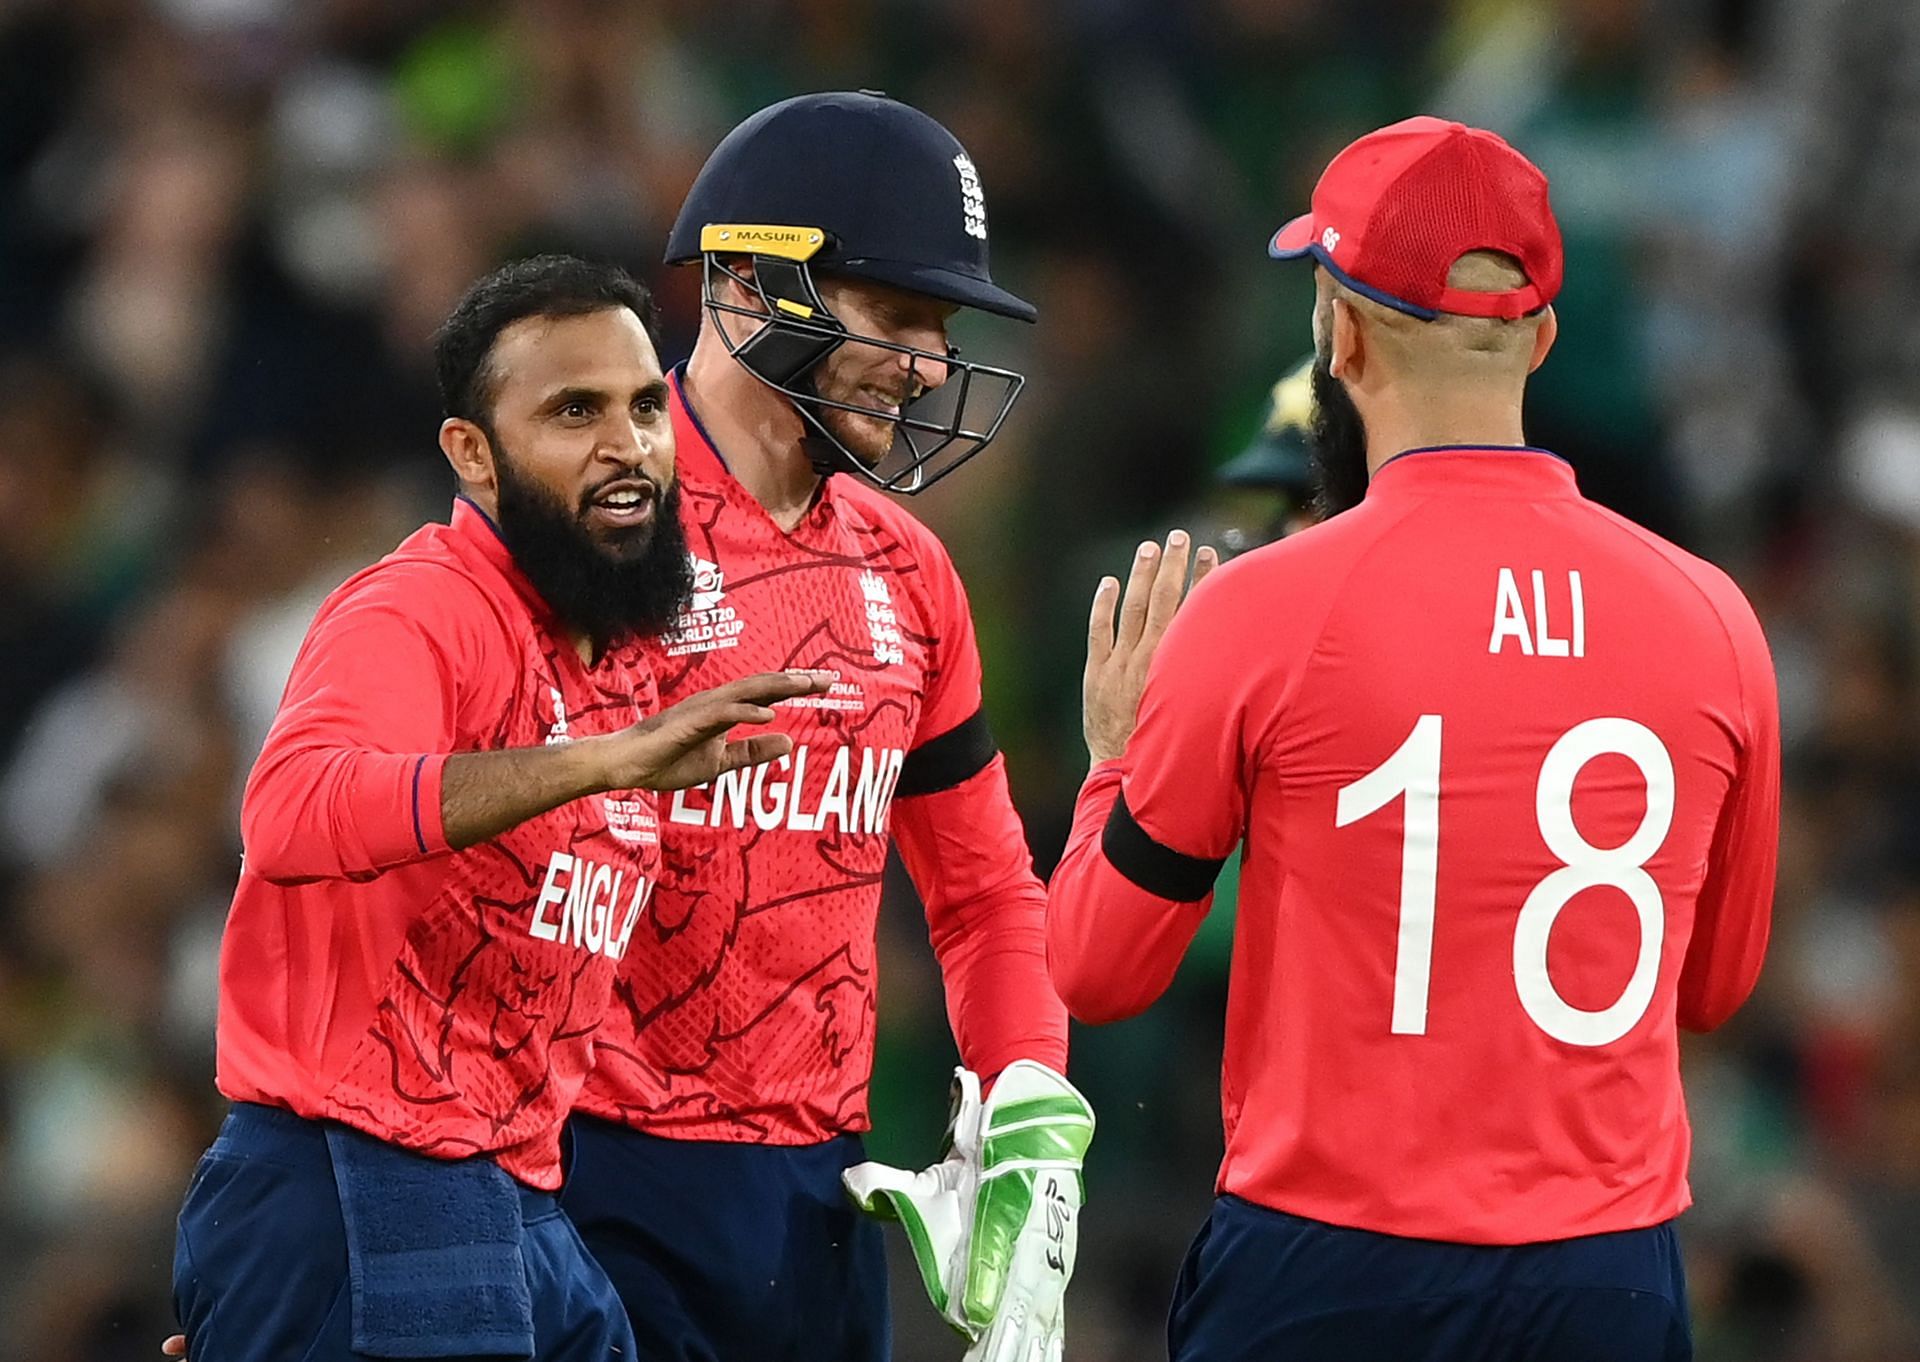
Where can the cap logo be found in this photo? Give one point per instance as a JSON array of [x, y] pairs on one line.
[[1330, 239], [973, 199], [789, 243]]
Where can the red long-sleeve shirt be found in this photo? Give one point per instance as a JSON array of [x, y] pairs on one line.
[[1506, 769], [443, 1001], [749, 1015]]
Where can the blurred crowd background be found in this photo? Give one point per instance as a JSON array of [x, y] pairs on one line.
[[227, 228]]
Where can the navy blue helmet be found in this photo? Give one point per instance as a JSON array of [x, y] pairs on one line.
[[862, 186]]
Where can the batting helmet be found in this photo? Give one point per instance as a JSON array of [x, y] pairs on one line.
[[863, 186]]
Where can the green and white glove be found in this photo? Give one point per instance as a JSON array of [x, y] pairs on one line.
[[995, 1224]]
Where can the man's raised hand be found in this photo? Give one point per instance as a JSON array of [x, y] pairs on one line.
[[1119, 652]]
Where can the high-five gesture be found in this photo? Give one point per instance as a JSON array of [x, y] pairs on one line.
[[1117, 658]]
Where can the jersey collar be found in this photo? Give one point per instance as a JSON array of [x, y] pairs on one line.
[[1474, 470], [694, 455], [698, 461], [477, 530]]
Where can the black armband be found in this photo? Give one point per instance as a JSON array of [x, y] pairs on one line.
[[1153, 866], [956, 756]]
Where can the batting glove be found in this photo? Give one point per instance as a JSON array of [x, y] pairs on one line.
[[995, 1224]]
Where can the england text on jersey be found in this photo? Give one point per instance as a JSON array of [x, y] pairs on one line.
[[852, 799], [744, 1008]]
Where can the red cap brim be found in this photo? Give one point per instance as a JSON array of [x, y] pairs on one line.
[[1292, 240]]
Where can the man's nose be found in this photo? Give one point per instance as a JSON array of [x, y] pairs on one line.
[[633, 445], [929, 372]]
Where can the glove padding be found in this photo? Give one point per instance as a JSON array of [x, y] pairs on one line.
[[995, 1224]]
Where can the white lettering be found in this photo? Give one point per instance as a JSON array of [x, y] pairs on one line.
[[1535, 636], [1579, 614], [765, 816], [1549, 645], [893, 779], [834, 798], [642, 894], [587, 903], [1509, 618], [557, 864], [600, 906], [682, 813], [797, 818], [878, 771], [574, 924], [774, 796], [732, 786]]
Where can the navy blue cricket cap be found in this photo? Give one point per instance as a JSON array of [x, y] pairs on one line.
[[1278, 459], [893, 193]]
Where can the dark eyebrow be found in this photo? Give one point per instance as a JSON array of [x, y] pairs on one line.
[[569, 395], [657, 390]]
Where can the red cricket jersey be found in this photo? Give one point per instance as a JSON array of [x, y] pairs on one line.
[[443, 1001], [1507, 771], [745, 1009]]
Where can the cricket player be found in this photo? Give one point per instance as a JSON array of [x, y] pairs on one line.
[[450, 845], [1506, 771], [836, 233]]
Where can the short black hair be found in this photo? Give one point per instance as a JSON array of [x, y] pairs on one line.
[[540, 286]]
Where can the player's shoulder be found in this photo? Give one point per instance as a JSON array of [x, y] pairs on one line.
[[1313, 560], [1687, 573], [872, 511], [426, 579], [1263, 608], [870, 504]]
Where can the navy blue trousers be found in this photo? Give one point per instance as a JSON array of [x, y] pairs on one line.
[[1262, 1286], [260, 1257], [731, 1252]]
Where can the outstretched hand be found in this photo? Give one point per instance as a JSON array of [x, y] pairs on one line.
[[687, 744], [1118, 653]]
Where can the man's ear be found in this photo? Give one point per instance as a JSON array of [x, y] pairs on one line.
[[1348, 351], [470, 454], [1544, 338]]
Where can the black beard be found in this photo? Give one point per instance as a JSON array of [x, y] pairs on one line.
[[1336, 445], [635, 585]]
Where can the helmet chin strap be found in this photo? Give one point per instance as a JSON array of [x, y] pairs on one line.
[[824, 455]]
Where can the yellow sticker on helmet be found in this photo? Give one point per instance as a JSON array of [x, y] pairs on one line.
[[789, 243], [800, 310]]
